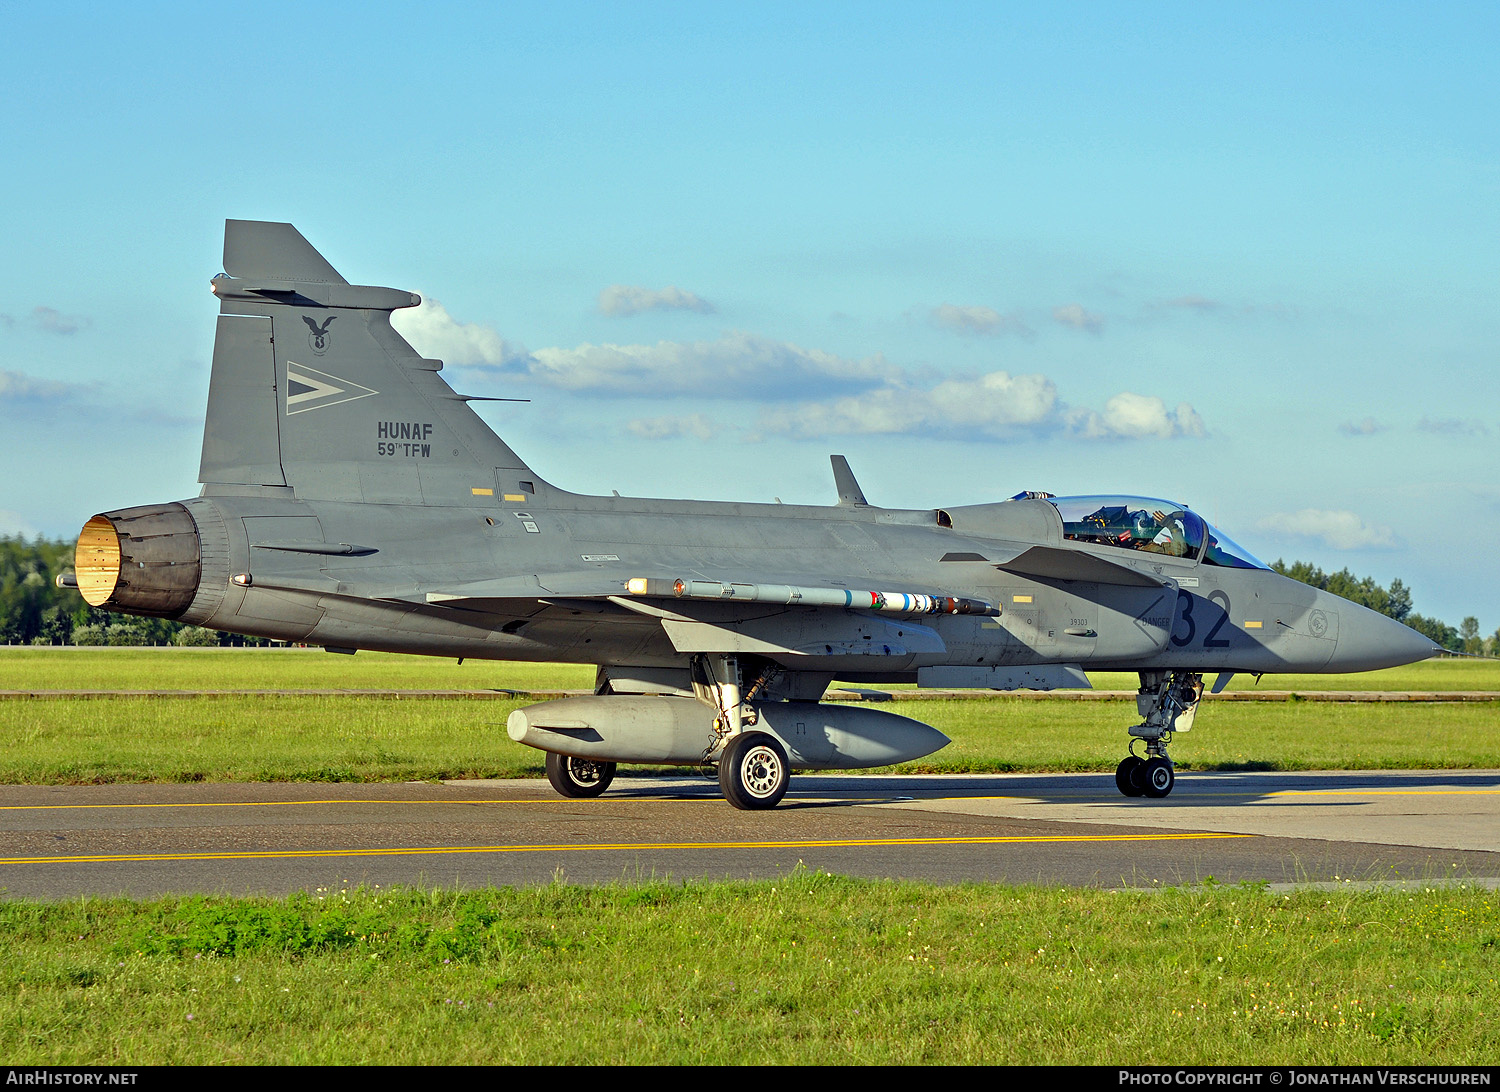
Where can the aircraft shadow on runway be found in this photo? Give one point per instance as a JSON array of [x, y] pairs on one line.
[[1194, 790]]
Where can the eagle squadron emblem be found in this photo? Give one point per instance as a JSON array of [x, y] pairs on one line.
[[318, 339]]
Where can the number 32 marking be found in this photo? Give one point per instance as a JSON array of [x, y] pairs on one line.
[[1185, 604]]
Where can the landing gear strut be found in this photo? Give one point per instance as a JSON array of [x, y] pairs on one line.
[[754, 770], [1168, 702]]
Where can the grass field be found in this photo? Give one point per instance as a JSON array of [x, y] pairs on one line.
[[339, 738], [270, 669], [307, 669], [365, 739], [811, 969]]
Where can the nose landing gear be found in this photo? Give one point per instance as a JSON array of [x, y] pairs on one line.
[[1153, 777], [1168, 702]]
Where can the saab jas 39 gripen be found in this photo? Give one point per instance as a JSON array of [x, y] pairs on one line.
[[351, 499]]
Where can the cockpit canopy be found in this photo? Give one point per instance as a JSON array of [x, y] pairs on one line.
[[1153, 526]]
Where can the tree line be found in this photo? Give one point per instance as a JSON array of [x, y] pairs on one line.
[[35, 611]]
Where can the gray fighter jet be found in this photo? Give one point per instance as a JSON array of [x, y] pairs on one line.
[[352, 499]]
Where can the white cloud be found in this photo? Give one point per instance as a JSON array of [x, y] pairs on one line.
[[1367, 427], [15, 525], [695, 425], [49, 320], [435, 333], [54, 321], [977, 320], [805, 392], [1074, 315], [630, 299], [737, 365], [1204, 305], [1338, 528], [1129, 416], [1488, 496], [19, 385], [1452, 426], [159, 415], [998, 405], [1192, 303]]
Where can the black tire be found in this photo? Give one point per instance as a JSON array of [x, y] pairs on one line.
[[1158, 778], [1129, 777], [754, 772], [578, 777]]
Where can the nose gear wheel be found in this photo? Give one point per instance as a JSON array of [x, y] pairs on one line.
[[1128, 776]]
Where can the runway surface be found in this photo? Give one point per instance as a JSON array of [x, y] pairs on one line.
[[1070, 829]]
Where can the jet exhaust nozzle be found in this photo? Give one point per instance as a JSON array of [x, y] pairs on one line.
[[145, 560]]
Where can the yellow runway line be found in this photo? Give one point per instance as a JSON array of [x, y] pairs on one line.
[[257, 804], [675, 798], [1385, 792], [423, 851], [493, 800]]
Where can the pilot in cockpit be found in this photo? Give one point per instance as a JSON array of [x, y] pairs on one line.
[[1153, 531], [1166, 535]]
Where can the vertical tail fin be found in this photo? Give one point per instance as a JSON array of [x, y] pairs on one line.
[[313, 389]]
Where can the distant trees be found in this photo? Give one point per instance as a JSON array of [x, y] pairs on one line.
[[1442, 634], [32, 606], [35, 611], [1468, 632]]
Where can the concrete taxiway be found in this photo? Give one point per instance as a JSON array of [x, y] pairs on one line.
[[1071, 829]]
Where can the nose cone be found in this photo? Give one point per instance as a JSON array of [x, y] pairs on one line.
[[1369, 640]]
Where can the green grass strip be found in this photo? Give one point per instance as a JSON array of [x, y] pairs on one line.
[[810, 969], [81, 741], [312, 669]]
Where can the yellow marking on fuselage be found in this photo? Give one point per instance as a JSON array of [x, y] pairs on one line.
[[481, 492]]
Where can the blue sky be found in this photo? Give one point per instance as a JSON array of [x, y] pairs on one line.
[[1242, 256]]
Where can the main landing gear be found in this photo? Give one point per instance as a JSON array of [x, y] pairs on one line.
[[754, 770], [578, 777], [1168, 702], [752, 764]]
